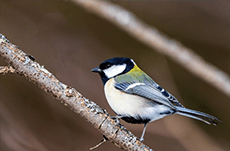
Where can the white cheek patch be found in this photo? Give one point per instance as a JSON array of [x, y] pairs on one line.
[[114, 70]]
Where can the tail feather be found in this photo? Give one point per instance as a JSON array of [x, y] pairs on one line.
[[208, 119]]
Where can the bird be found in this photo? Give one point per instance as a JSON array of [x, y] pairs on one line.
[[136, 98]]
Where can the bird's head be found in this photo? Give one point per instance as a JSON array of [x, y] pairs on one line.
[[114, 67]]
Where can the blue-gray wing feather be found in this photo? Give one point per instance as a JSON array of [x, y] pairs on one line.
[[147, 88], [145, 91]]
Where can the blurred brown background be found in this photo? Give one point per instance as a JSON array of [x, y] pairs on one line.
[[69, 42]]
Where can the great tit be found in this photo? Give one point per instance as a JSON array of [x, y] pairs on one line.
[[136, 98]]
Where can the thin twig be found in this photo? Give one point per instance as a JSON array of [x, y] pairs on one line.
[[41, 77], [159, 41], [101, 142]]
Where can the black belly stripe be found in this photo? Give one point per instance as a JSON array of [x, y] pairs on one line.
[[135, 120]]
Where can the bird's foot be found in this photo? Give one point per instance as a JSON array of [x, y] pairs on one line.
[[141, 139], [116, 119]]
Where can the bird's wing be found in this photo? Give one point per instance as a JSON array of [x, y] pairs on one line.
[[141, 84]]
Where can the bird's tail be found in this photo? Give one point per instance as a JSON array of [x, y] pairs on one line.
[[209, 119]]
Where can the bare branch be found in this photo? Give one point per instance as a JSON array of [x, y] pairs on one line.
[[99, 118], [160, 42]]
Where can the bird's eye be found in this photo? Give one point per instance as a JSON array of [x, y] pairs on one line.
[[107, 66]]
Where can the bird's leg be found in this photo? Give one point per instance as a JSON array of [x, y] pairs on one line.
[[117, 119], [143, 133]]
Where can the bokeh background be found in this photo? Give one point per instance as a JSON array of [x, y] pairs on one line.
[[69, 42]]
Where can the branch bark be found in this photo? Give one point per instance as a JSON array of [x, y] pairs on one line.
[[25, 65], [160, 42], [7, 70]]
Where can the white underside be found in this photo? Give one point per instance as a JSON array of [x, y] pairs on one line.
[[132, 105]]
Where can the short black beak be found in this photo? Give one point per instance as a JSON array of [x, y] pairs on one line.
[[98, 70]]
